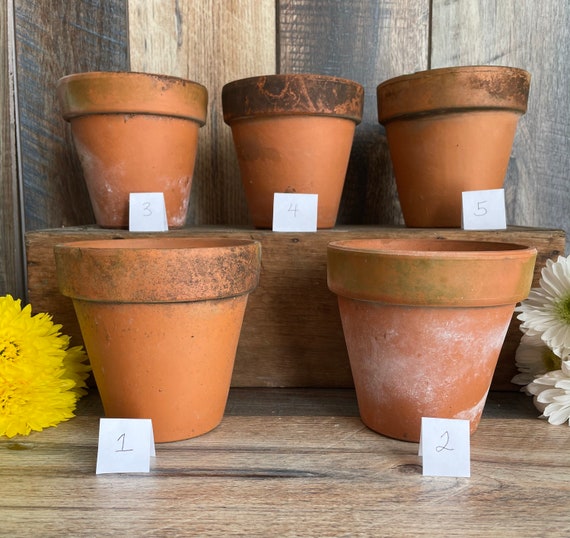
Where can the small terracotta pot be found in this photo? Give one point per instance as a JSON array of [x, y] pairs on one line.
[[161, 319], [293, 134], [450, 130], [424, 322], [134, 132]]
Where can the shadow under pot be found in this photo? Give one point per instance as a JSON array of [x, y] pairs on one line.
[[134, 132], [293, 133], [450, 130], [161, 320], [424, 321]]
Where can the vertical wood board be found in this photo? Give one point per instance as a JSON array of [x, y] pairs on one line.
[[367, 42], [53, 39], [534, 36], [210, 42], [11, 233]]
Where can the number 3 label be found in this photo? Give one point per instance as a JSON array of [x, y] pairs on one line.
[[147, 212]]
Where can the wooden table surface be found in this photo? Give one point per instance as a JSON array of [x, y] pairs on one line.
[[291, 462]]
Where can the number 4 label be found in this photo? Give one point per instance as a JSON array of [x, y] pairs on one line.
[[484, 210], [125, 445]]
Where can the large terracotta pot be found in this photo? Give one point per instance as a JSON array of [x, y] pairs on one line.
[[450, 130], [134, 132], [424, 322], [293, 133], [160, 320]]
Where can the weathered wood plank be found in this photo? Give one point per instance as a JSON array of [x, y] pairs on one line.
[[368, 42], [290, 473], [11, 233], [292, 334], [534, 36], [210, 42], [53, 39]]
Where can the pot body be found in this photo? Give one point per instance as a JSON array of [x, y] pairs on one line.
[[134, 132], [424, 322], [450, 130], [293, 134], [161, 319]]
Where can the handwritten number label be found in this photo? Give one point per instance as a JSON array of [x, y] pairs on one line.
[[125, 445], [484, 210], [294, 212], [445, 447], [147, 212]]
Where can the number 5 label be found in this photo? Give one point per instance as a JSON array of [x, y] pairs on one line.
[[484, 210], [125, 445]]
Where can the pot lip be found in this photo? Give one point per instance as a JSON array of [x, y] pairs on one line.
[[459, 248], [443, 90], [144, 244], [287, 94], [85, 93], [166, 270]]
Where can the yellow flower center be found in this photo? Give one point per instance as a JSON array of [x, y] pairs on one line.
[[563, 309], [9, 350]]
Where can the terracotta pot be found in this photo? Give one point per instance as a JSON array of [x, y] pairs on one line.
[[134, 132], [293, 134], [424, 322], [450, 130], [160, 320]]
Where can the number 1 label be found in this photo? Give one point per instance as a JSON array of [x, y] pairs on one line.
[[125, 445]]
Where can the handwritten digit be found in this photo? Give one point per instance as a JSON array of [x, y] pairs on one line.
[[293, 209], [440, 448], [123, 449], [147, 211], [481, 211]]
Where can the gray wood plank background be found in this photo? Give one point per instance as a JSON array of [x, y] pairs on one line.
[[368, 41]]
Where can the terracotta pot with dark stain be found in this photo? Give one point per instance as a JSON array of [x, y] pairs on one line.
[[450, 130], [424, 322], [161, 319], [134, 132], [293, 133]]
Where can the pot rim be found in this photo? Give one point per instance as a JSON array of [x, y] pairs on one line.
[[80, 94], [453, 89], [438, 273], [292, 94], [175, 269]]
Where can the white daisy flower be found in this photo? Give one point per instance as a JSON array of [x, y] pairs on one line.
[[552, 394], [533, 358], [546, 311]]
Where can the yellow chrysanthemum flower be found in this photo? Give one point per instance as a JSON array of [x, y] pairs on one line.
[[41, 380]]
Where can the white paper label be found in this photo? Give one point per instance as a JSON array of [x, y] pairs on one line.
[[484, 210], [294, 212], [147, 212], [445, 447], [125, 445]]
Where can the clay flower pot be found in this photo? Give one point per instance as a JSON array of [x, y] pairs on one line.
[[293, 134], [160, 320], [450, 130], [134, 132], [424, 322]]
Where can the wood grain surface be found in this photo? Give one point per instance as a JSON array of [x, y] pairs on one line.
[[11, 222], [534, 36], [54, 39], [292, 334], [367, 42], [210, 42], [293, 463]]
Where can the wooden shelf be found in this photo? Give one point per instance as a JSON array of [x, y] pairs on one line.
[[292, 334], [291, 462]]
